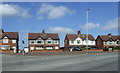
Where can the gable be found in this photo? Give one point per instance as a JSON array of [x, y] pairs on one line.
[[39, 38], [78, 38], [5, 37], [49, 38]]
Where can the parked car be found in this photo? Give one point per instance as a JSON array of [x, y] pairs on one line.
[[78, 48]]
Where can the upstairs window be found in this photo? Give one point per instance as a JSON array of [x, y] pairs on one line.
[[92, 42], [13, 41], [56, 42], [32, 42], [110, 42], [49, 41], [5, 40], [39, 41], [118, 42], [78, 41], [105, 42], [72, 41]]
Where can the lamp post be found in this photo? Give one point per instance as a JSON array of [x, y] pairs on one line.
[[87, 12]]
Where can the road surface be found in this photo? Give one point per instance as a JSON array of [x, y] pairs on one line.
[[107, 61]]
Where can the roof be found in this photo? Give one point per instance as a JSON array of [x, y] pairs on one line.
[[106, 37], [10, 35], [82, 36], [33, 36]]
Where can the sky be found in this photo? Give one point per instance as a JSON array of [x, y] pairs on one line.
[[59, 17]]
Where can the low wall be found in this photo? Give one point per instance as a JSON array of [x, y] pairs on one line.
[[6, 50], [46, 50]]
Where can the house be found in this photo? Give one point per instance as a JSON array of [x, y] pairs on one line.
[[73, 40], [107, 41], [43, 41], [9, 41]]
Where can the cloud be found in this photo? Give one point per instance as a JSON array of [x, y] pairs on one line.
[[111, 24], [91, 26], [60, 30], [53, 12], [8, 10]]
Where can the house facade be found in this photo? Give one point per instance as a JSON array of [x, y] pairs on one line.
[[43, 41], [72, 40], [9, 41], [107, 41]]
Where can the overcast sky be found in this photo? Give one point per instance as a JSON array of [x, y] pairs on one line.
[[60, 17]]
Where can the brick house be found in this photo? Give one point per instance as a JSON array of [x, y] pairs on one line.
[[72, 40], [106, 41], [9, 40], [43, 41]]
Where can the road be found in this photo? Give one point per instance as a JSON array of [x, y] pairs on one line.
[[107, 61]]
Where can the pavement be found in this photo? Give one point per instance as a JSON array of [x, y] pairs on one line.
[[107, 61]]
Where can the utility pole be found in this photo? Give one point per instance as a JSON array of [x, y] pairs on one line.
[[87, 12]]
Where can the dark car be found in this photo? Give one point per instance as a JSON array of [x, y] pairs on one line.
[[78, 48]]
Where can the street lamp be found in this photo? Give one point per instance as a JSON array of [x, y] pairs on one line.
[[87, 12]]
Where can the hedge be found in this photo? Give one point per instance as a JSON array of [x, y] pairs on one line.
[[116, 48]]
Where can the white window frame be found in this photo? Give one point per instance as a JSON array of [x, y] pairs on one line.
[[5, 40], [77, 41], [39, 40], [49, 40], [39, 48], [49, 48], [55, 42], [13, 41], [5, 49], [56, 47], [32, 48], [32, 41], [72, 41]]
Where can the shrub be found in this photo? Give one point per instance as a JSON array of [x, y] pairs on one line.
[[105, 49], [116, 48], [83, 48]]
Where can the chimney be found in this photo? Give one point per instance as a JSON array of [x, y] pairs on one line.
[[43, 32], [79, 32], [109, 34], [1, 31]]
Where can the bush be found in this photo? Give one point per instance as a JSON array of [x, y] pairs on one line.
[[116, 48], [83, 48], [105, 49]]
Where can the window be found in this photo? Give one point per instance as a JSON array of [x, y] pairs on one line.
[[91, 41], [56, 42], [31, 48], [5, 47], [56, 48], [13, 41], [5, 40], [72, 41], [78, 41], [39, 41], [49, 41], [31, 42], [39, 48], [49, 48], [105, 42], [110, 42], [118, 42]]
